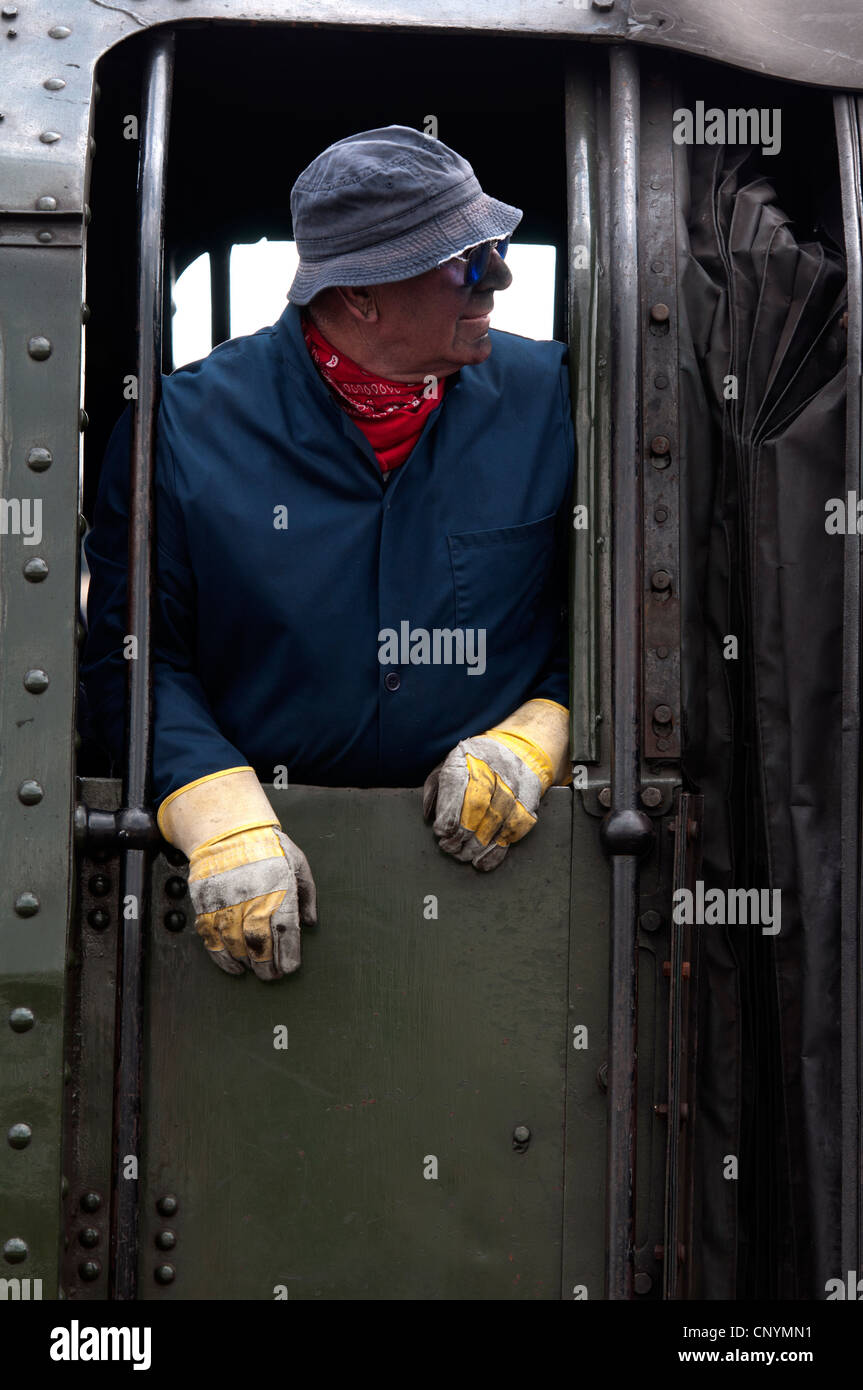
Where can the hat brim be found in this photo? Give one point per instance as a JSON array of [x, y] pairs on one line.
[[412, 253]]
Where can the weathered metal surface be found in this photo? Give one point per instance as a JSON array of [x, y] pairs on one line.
[[91, 1007], [299, 1170], [40, 298], [49, 90], [849, 137], [660, 397]]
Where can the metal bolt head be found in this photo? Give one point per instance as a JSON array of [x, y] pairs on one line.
[[605, 796], [167, 1205], [15, 1251], [602, 1076], [166, 1240], [21, 1020], [46, 204], [50, 137], [662, 653], [59, 31], [663, 744], [642, 1282], [39, 347], [650, 920], [663, 714], [91, 1201], [89, 1270], [9, 11], [660, 313], [39, 459], [164, 1274], [521, 1135], [30, 793], [26, 904], [19, 1136], [35, 570], [45, 236], [98, 919], [89, 1237], [603, 4], [176, 857], [651, 796], [83, 419], [660, 444], [176, 887], [660, 580], [660, 514], [85, 313], [53, 84], [175, 921], [660, 380], [99, 885]]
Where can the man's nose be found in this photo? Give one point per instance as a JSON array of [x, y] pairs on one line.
[[498, 275]]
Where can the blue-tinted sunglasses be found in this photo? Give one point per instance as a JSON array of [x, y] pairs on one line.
[[476, 262]]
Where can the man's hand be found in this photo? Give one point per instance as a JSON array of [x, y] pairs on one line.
[[486, 793], [250, 885]]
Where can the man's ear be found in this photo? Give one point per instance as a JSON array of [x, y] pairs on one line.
[[360, 301]]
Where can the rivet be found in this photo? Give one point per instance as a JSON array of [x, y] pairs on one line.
[[660, 380], [175, 857], [67, 1073], [642, 1283], [164, 1274], [392, 680], [11, 33], [15, 1250], [54, 84], [30, 793], [91, 144], [26, 904], [175, 921], [80, 634], [83, 419], [662, 653], [91, 1201], [35, 570], [661, 514], [651, 796], [603, 4], [82, 524], [660, 313], [663, 714], [98, 918], [50, 137], [87, 214], [166, 1240], [19, 1136], [39, 459], [21, 1020], [89, 1270], [605, 796], [45, 236], [89, 1237], [602, 1076], [521, 1135], [85, 313], [167, 1205], [59, 31], [64, 1186], [39, 348], [99, 885], [660, 444], [657, 267], [650, 920], [660, 580], [176, 887]]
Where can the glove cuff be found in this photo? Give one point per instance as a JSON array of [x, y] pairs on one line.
[[538, 732], [213, 807]]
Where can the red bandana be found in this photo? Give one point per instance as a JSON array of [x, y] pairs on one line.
[[391, 414]]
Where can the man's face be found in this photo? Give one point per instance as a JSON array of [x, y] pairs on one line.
[[434, 323]]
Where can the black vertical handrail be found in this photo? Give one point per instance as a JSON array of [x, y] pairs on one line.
[[848, 117], [152, 168], [627, 831]]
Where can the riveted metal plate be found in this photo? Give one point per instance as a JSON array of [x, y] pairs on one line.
[[296, 1122], [40, 296], [660, 432]]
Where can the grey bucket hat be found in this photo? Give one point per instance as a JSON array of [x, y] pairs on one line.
[[385, 205]]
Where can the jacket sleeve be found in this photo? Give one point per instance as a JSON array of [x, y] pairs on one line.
[[553, 684], [187, 742]]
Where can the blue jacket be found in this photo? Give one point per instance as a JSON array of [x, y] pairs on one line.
[[283, 559]]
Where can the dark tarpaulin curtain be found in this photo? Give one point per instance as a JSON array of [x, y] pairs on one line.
[[762, 450]]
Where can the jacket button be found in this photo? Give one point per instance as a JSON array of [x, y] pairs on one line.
[[392, 680]]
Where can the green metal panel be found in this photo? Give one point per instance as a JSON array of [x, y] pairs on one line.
[[409, 1038], [41, 297]]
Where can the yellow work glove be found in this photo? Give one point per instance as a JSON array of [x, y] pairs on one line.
[[250, 885], [486, 792]]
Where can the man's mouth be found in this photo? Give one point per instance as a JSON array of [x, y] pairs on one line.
[[476, 318]]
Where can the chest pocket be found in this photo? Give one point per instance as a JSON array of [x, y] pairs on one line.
[[499, 576]]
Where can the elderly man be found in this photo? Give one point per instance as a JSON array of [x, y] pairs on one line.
[[361, 540]]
